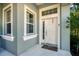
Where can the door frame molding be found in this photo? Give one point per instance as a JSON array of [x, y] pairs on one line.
[[40, 21]]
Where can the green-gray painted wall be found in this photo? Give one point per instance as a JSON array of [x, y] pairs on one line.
[[21, 44], [65, 32], [18, 45], [11, 45]]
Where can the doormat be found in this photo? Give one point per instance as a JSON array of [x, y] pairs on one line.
[[49, 47]]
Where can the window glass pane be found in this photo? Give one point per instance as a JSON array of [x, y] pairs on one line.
[[43, 29], [29, 28], [29, 17], [9, 28], [8, 16], [51, 11]]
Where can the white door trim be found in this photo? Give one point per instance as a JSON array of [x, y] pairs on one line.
[[40, 16]]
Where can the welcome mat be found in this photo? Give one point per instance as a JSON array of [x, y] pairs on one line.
[[49, 47]]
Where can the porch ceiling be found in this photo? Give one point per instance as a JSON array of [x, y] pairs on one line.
[[40, 5]]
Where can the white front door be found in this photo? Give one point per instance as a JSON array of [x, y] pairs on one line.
[[49, 30], [49, 25]]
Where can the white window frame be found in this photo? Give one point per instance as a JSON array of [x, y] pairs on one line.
[[6, 22], [33, 35], [8, 37], [30, 23]]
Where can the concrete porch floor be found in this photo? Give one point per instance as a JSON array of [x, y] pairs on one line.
[[37, 51]]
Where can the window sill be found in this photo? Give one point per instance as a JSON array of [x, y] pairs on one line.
[[9, 38], [29, 37]]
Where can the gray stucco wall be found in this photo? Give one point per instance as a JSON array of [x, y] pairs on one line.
[[21, 44], [11, 45], [65, 32]]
